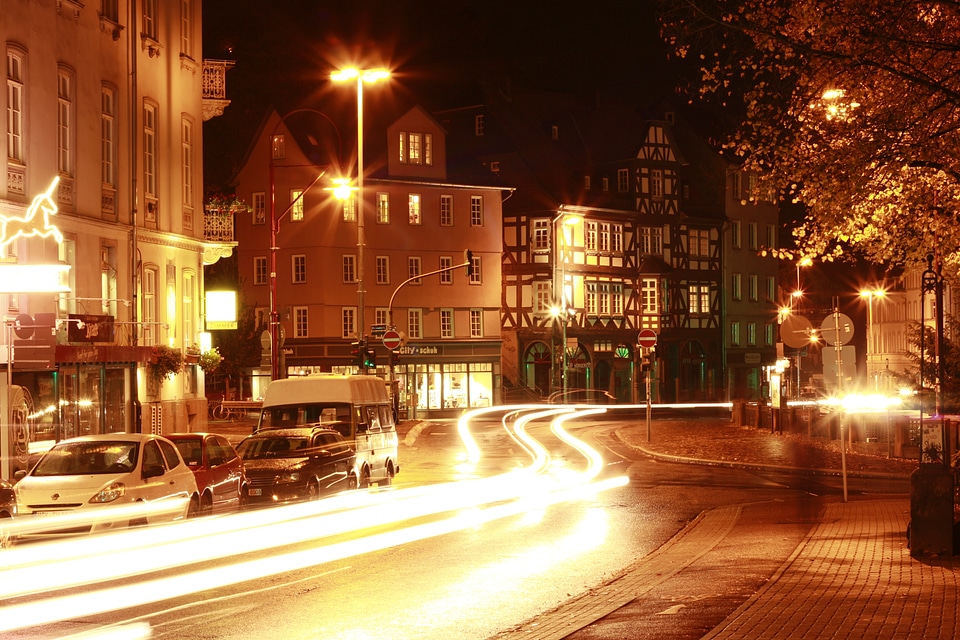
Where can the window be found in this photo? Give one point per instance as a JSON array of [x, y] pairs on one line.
[[476, 211], [476, 323], [446, 323], [656, 184], [698, 299], [446, 211], [736, 286], [150, 150], [186, 21], [604, 299], [150, 19], [108, 136], [349, 268], [413, 156], [495, 167], [752, 333], [752, 235], [771, 236], [771, 288], [446, 277], [277, 147], [383, 208], [475, 277], [300, 322], [616, 238], [428, 149], [413, 269], [735, 334], [651, 241], [586, 183], [414, 208], [110, 10], [698, 243], [186, 145], [350, 209], [753, 285], [541, 234], [415, 323], [383, 269], [296, 205], [149, 310], [623, 180], [298, 266], [605, 184], [348, 322], [381, 315], [260, 270], [259, 207], [542, 296], [555, 132], [768, 332], [65, 121], [649, 297], [735, 234], [590, 236], [604, 238], [478, 125], [108, 281], [189, 295]]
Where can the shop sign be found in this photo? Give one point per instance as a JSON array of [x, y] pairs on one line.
[[90, 328], [419, 350]]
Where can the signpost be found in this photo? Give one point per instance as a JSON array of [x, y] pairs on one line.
[[647, 340], [392, 340]]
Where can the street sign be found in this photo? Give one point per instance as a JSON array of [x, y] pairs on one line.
[[392, 340], [378, 329], [647, 338]]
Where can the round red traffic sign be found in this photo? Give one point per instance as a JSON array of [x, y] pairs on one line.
[[392, 340], [647, 338]]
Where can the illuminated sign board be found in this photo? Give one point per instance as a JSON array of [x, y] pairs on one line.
[[33, 278], [221, 310]]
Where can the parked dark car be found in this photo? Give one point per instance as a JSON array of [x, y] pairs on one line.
[[8, 500], [283, 465], [217, 467]]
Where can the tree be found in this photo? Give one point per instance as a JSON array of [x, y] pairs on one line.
[[851, 107]]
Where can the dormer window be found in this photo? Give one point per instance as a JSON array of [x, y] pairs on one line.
[[478, 125], [416, 148]]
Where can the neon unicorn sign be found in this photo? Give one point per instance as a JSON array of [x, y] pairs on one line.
[[13, 227]]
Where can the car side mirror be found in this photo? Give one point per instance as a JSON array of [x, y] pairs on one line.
[[152, 471], [363, 427], [20, 474]]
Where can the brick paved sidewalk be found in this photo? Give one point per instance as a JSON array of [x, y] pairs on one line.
[[854, 578]]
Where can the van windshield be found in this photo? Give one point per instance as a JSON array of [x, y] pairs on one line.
[[335, 415]]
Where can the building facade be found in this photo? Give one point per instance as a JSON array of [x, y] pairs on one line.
[[103, 162], [421, 212]]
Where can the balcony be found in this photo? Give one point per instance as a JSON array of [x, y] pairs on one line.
[[215, 87]]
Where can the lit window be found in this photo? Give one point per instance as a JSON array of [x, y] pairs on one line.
[[65, 122], [296, 205], [186, 145], [428, 149], [259, 208], [350, 209], [649, 297], [186, 21], [414, 208], [150, 150], [414, 153], [383, 208], [108, 136]]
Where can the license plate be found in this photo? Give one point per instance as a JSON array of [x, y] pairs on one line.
[[45, 514], [254, 492]]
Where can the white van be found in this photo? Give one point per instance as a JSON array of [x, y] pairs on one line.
[[356, 406]]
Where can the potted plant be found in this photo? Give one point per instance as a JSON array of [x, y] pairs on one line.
[[167, 361], [209, 360]]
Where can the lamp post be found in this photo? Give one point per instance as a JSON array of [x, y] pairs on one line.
[[275, 341], [869, 295], [361, 76], [563, 311]]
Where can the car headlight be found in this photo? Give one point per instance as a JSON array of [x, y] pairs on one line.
[[288, 476], [109, 493]]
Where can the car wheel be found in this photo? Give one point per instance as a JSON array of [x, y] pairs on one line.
[[194, 509], [351, 482], [313, 490], [206, 505], [388, 480]]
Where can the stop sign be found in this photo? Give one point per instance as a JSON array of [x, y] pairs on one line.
[[647, 338], [392, 340]]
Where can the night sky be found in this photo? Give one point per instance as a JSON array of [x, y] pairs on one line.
[[284, 52]]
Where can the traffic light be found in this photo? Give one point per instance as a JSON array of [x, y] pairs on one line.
[[358, 353], [394, 358], [369, 358], [468, 258], [645, 362]]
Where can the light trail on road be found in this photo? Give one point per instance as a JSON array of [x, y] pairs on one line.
[[32, 570]]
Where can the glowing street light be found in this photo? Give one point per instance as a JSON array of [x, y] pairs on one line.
[[869, 295], [564, 311], [361, 76]]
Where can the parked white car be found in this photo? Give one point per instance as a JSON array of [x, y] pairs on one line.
[[86, 475]]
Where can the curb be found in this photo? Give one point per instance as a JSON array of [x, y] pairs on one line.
[[756, 466]]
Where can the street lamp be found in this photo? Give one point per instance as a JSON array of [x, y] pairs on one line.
[[798, 293], [869, 295], [361, 76], [275, 151], [564, 311]]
